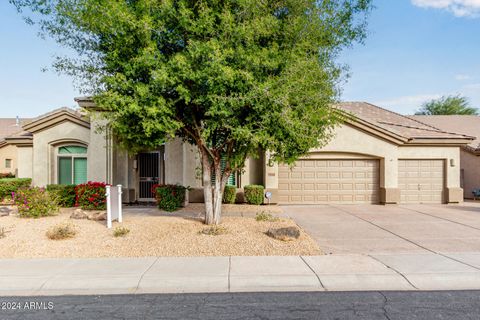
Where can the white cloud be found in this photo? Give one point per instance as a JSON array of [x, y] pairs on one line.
[[407, 104], [460, 8], [462, 77]]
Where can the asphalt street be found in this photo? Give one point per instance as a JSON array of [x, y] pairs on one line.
[[410, 305]]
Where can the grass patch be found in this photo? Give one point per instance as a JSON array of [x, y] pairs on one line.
[[265, 216], [214, 231], [120, 232], [61, 231]]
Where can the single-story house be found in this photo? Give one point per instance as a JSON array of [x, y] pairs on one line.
[[376, 156], [470, 153]]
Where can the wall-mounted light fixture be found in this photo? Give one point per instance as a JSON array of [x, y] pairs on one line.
[[452, 162]]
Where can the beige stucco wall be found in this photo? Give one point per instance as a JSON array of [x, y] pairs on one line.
[[25, 162], [45, 143], [349, 142], [8, 152], [98, 154], [470, 164]]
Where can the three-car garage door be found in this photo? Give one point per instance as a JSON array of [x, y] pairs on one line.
[[421, 181], [340, 181]]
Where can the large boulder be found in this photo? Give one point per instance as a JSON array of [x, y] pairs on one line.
[[284, 234], [78, 214], [97, 215]]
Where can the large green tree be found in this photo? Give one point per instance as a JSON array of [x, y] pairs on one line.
[[228, 76], [447, 105]]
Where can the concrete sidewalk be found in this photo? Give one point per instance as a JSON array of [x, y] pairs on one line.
[[423, 271]]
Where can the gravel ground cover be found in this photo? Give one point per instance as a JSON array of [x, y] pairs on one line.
[[153, 233]]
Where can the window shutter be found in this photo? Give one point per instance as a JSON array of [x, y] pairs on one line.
[[65, 170], [232, 181], [80, 170]]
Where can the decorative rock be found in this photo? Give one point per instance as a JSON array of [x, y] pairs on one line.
[[97, 215], [284, 234], [78, 214], [5, 211]]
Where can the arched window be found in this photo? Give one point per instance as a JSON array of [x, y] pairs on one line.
[[72, 164]]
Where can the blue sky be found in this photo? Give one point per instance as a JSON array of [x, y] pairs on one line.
[[416, 50]]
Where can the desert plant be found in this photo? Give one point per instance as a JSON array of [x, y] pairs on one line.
[[65, 193], [12, 185], [229, 194], [35, 202], [265, 216], [254, 194], [214, 231], [120, 232], [170, 197], [91, 196], [61, 231]]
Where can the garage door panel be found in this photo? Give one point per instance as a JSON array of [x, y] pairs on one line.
[[421, 181], [330, 181]]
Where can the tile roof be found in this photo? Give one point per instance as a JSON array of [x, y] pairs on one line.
[[395, 123], [8, 126], [465, 124]]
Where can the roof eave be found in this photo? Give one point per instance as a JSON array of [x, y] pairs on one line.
[[53, 119]]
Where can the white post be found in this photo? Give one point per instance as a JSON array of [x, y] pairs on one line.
[[109, 208], [120, 213]]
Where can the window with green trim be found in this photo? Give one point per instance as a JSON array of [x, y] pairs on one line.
[[72, 165], [232, 179], [72, 150]]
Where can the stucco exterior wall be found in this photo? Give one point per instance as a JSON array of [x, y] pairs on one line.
[[8, 152], [470, 164], [25, 162], [44, 144], [98, 154], [349, 142]]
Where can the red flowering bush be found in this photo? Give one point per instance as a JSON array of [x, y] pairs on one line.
[[91, 196]]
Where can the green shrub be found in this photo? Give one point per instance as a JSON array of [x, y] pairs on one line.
[[7, 175], [91, 196], [61, 231], [65, 194], [120, 232], [12, 185], [254, 194], [265, 216], [35, 202], [229, 194], [170, 197]]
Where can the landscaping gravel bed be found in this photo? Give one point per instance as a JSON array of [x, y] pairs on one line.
[[150, 235]]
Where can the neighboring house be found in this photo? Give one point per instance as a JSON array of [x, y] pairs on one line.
[[469, 154], [376, 156], [8, 152]]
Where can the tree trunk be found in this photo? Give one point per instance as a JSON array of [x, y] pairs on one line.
[[213, 194], [207, 187]]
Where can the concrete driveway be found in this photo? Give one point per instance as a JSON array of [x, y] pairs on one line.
[[375, 229]]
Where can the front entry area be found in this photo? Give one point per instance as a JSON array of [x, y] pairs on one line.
[[150, 170], [338, 181]]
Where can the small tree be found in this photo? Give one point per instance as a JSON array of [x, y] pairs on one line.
[[447, 105], [228, 76]]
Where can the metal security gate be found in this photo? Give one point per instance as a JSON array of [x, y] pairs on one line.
[[149, 173]]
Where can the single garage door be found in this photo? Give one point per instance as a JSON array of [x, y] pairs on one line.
[[421, 181], [329, 181]]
